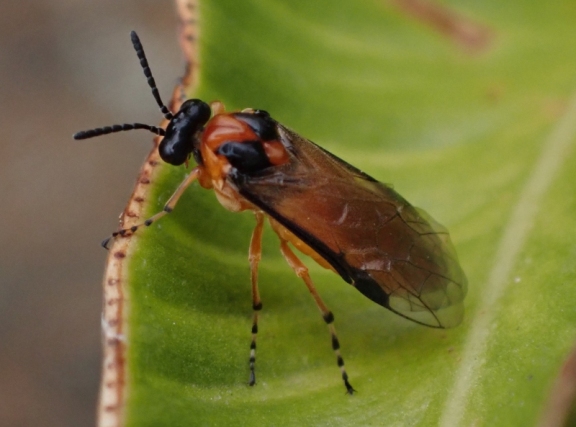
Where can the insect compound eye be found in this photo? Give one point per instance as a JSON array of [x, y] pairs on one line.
[[261, 123], [248, 157], [180, 139]]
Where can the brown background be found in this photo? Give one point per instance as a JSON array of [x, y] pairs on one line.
[[66, 65]]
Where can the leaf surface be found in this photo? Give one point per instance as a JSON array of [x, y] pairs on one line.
[[482, 140]]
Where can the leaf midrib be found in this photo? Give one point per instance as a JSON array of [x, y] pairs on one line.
[[555, 150]]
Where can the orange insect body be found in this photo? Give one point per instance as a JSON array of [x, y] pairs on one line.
[[393, 253], [224, 127]]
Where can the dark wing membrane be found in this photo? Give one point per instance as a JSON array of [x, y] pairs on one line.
[[392, 252]]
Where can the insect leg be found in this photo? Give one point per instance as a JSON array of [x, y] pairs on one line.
[[302, 271], [168, 207], [254, 257]]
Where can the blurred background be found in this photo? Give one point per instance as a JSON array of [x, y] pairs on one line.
[[65, 66]]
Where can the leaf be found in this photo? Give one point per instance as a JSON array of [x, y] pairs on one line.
[[481, 137]]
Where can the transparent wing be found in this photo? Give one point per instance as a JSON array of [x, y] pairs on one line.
[[393, 253]]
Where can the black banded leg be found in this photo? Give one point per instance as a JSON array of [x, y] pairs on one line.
[[168, 207], [302, 271], [254, 256]]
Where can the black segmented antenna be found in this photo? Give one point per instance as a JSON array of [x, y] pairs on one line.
[[148, 73], [85, 134]]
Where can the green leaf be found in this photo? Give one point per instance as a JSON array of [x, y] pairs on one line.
[[482, 140]]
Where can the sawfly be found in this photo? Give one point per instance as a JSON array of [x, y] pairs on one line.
[[393, 253]]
